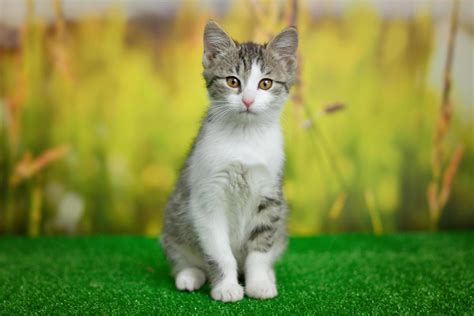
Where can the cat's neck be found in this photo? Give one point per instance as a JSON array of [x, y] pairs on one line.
[[250, 134], [243, 122]]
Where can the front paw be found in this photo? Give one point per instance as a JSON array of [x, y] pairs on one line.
[[190, 279], [226, 291], [262, 289]]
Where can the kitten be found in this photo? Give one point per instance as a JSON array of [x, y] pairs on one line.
[[227, 215]]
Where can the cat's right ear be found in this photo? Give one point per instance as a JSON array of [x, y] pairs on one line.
[[284, 47], [216, 41]]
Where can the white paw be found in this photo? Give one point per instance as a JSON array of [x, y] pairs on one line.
[[227, 292], [261, 289], [190, 279]]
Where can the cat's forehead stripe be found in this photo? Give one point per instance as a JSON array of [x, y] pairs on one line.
[[250, 53]]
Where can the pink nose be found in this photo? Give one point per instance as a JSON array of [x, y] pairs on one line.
[[247, 102]]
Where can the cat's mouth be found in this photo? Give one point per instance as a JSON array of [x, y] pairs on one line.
[[247, 111]]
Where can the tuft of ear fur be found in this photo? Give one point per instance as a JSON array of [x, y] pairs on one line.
[[216, 41], [284, 46]]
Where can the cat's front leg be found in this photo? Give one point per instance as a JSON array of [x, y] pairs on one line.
[[212, 228], [267, 240], [260, 279]]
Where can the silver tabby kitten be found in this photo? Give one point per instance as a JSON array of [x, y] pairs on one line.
[[227, 215]]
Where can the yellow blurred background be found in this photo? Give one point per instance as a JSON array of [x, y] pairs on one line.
[[100, 100]]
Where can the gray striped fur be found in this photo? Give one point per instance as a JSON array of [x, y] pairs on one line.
[[179, 238]]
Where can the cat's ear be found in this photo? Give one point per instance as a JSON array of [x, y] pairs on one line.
[[284, 46], [216, 41]]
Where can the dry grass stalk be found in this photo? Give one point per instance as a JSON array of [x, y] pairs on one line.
[[27, 167], [34, 220], [338, 205], [57, 45], [13, 107], [439, 189], [292, 12], [327, 110], [302, 108], [449, 174], [267, 17], [374, 214]]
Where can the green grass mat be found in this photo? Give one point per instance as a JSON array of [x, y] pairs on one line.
[[339, 274]]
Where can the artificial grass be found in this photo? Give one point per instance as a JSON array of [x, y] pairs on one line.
[[337, 274]]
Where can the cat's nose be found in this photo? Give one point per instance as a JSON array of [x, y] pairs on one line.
[[248, 102]]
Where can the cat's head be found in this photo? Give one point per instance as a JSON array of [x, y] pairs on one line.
[[248, 81]]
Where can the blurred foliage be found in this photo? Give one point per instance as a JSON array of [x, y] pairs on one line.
[[96, 117]]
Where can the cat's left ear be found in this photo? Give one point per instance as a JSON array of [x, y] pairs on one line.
[[284, 46], [216, 42]]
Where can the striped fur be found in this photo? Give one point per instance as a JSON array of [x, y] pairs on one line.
[[227, 214]]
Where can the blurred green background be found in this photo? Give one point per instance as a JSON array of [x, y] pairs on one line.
[[99, 103]]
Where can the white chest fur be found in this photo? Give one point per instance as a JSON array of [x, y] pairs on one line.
[[221, 147], [231, 169]]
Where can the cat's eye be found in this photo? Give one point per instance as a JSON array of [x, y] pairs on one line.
[[265, 84], [232, 82]]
